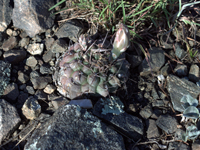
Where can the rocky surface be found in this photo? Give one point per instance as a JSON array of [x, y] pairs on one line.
[[143, 114], [61, 132]]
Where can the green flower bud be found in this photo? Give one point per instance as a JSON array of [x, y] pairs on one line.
[[121, 42]]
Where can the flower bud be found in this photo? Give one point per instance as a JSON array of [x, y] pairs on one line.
[[121, 42]]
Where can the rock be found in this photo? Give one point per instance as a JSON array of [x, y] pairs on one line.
[[146, 112], [177, 88], [156, 61], [167, 123], [35, 48], [158, 103], [33, 16], [57, 101], [180, 53], [71, 124], [15, 56], [21, 100], [9, 32], [10, 43], [178, 146], [22, 77], [39, 82], [134, 60], [152, 129], [9, 119], [49, 42], [83, 103], [45, 69], [196, 145], [24, 42], [72, 29], [165, 70], [5, 13], [40, 95], [47, 56], [31, 108], [11, 92], [49, 89], [59, 46], [5, 69], [181, 70], [111, 111], [31, 61], [30, 90], [194, 73]]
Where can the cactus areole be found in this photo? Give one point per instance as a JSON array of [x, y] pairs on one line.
[[86, 66]]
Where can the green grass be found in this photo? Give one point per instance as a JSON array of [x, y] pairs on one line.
[[108, 13], [137, 15]]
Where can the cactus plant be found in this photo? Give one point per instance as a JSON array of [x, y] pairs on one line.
[[91, 66]]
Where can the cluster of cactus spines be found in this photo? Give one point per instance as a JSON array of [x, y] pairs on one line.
[[86, 67]]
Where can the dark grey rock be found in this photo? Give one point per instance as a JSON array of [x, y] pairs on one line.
[[178, 146], [39, 82], [167, 123], [9, 119], [181, 70], [154, 94], [156, 61], [59, 46], [165, 70], [146, 112], [31, 108], [194, 73], [45, 69], [31, 61], [5, 13], [5, 69], [1, 52], [72, 29], [152, 129], [158, 103], [134, 60], [9, 43], [180, 53], [22, 77], [21, 100], [33, 16], [177, 88], [22, 87], [156, 113], [129, 124], [40, 95], [57, 101], [15, 56], [11, 92], [71, 127]]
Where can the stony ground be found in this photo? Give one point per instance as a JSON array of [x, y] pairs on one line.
[[143, 114]]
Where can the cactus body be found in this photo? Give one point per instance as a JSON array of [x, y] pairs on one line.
[[85, 68]]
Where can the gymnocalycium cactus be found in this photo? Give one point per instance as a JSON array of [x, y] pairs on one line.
[[91, 66]]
